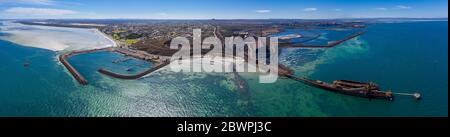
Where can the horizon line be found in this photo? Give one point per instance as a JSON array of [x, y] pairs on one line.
[[226, 19]]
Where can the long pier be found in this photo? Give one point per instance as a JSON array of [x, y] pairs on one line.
[[364, 92], [72, 70], [330, 45], [370, 92]]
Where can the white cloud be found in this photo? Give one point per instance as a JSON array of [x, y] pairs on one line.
[[263, 11], [31, 2], [39, 11], [310, 9], [162, 14], [380, 8], [403, 7]]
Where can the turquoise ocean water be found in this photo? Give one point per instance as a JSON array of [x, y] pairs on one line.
[[404, 57]]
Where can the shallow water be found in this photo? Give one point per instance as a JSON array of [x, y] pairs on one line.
[[402, 57], [389, 54], [53, 38]]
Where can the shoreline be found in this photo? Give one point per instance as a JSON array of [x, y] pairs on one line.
[[56, 39], [115, 44], [95, 28]]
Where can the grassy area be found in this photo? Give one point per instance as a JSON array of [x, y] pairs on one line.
[[125, 41], [130, 41]]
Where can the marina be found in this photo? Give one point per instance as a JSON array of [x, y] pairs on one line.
[[78, 77]]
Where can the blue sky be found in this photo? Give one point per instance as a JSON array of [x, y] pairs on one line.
[[221, 9]]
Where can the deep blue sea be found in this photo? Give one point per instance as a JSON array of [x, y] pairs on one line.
[[403, 57]]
